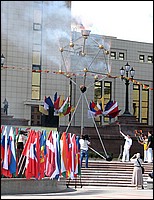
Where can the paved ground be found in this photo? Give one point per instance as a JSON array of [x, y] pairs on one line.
[[90, 192]]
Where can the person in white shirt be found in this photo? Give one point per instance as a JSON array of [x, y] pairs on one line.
[[84, 142], [127, 146]]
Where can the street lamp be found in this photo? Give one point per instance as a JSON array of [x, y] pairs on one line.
[[126, 78], [2, 59]]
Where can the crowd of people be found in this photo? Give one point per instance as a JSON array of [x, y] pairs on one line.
[[147, 141]]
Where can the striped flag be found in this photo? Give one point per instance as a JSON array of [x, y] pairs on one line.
[[111, 109]]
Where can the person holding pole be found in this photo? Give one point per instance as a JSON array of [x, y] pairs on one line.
[[127, 146]]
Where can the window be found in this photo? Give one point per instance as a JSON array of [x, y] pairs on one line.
[[145, 104], [36, 82], [97, 98], [36, 26], [150, 59], [136, 101], [141, 58], [113, 55], [121, 56], [36, 58]]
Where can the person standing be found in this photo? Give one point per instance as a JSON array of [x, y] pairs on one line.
[[150, 147], [127, 146], [137, 177], [144, 143], [84, 142]]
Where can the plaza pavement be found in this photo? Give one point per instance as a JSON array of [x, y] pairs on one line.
[[90, 192]]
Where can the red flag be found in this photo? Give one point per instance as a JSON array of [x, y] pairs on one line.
[[50, 157]]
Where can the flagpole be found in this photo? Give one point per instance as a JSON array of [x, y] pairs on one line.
[[73, 114], [96, 129]]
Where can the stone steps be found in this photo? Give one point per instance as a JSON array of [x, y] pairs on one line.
[[104, 173]]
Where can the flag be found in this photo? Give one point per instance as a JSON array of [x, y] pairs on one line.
[[64, 150], [74, 156], [33, 158], [4, 154], [95, 110], [78, 166], [43, 110], [49, 101], [69, 156], [61, 101], [11, 152], [46, 106], [55, 97], [43, 153], [63, 105], [57, 103], [50, 156], [111, 109], [56, 171]]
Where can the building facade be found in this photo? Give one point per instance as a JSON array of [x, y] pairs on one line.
[[33, 34]]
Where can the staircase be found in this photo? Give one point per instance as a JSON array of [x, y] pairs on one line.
[[108, 173]]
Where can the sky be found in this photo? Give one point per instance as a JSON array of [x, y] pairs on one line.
[[128, 20]]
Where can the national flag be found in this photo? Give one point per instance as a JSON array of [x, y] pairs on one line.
[[95, 110], [55, 97], [33, 161], [42, 110], [24, 158], [64, 151], [50, 156], [49, 102], [69, 156], [66, 111], [74, 156], [11, 152], [56, 171], [111, 109], [78, 167], [4, 154], [61, 110], [61, 101], [57, 103], [46, 106], [43, 153]]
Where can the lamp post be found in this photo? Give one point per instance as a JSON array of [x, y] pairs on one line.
[[127, 70], [2, 60]]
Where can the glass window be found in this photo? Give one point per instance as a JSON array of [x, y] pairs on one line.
[[150, 59], [35, 78], [136, 101], [113, 55], [97, 97], [121, 56], [141, 58], [145, 105], [35, 92], [36, 58], [36, 27], [36, 82]]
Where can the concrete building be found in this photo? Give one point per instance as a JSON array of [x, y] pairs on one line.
[[32, 35]]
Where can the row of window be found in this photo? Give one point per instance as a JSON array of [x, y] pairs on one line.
[[141, 108], [121, 56]]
